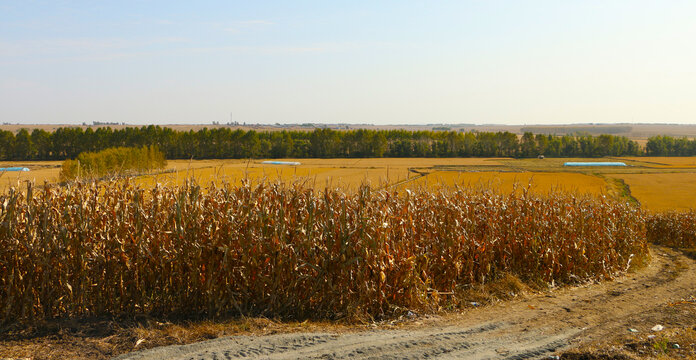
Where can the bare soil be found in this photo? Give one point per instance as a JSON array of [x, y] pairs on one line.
[[584, 322]]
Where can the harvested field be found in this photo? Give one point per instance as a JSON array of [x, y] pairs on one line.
[[665, 191], [319, 173], [665, 185], [665, 162], [505, 182], [659, 186], [40, 171]]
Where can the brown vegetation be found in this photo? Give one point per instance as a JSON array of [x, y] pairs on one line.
[[675, 229], [111, 248]]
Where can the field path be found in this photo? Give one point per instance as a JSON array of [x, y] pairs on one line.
[[530, 328]]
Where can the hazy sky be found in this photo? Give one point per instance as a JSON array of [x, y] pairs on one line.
[[383, 62]]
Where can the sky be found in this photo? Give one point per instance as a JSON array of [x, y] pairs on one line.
[[378, 62]]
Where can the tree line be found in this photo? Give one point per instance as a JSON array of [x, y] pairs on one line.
[[670, 146], [68, 142]]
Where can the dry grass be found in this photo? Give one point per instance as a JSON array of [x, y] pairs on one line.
[[104, 338]]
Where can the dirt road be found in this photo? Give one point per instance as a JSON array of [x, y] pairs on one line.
[[531, 328]]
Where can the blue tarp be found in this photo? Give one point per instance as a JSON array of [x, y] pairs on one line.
[[14, 169], [598, 163], [281, 162]]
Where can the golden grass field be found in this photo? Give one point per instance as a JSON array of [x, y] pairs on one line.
[[667, 191], [665, 162], [505, 182], [658, 183], [40, 171], [345, 173]]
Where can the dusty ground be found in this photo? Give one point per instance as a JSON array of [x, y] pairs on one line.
[[586, 322]]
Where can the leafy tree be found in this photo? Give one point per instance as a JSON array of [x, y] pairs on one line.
[[23, 146], [41, 140], [528, 146], [7, 145]]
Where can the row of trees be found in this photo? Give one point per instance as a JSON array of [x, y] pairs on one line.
[[670, 146], [67, 143], [113, 162]]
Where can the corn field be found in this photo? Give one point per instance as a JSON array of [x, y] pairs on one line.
[[675, 229], [112, 248]]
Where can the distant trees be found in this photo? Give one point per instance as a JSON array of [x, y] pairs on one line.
[[670, 146], [113, 161], [7, 145], [67, 143]]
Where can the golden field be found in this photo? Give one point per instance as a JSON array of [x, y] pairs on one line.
[[658, 183], [320, 173], [665, 162], [40, 171], [505, 182], [666, 191]]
